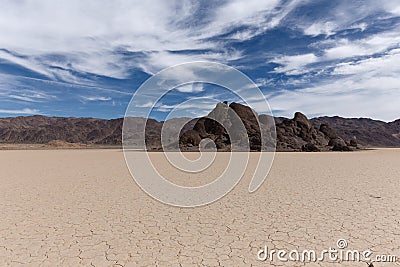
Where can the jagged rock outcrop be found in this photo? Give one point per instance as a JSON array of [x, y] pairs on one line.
[[221, 126], [295, 134], [250, 121], [298, 134]]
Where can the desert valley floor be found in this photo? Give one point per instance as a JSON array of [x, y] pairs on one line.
[[81, 207]]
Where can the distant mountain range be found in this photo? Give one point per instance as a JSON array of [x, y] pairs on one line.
[[367, 131], [297, 134]]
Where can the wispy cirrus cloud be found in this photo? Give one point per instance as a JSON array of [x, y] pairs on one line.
[[28, 98], [25, 111], [97, 36], [96, 98], [294, 65], [339, 50], [93, 36]]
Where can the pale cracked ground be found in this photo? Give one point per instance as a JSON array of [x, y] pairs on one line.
[[81, 207]]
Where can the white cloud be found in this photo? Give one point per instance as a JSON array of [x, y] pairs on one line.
[[262, 82], [327, 28], [370, 45], [91, 34], [338, 49], [28, 63], [294, 65], [391, 6], [24, 98], [85, 26], [361, 26], [255, 14], [237, 12], [343, 15], [200, 105], [11, 88], [380, 66], [155, 61], [345, 51], [96, 98], [191, 88], [25, 111]]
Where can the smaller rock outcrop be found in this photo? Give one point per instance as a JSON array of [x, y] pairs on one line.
[[328, 131], [353, 142], [310, 148], [298, 134]]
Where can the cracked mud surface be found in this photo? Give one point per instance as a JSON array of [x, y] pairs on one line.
[[81, 207]]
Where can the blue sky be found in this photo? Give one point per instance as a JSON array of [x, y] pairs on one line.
[[87, 58]]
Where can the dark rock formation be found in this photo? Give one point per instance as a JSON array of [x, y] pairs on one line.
[[328, 131], [353, 142], [223, 121], [190, 138], [297, 134], [310, 148], [250, 120], [339, 147], [337, 142]]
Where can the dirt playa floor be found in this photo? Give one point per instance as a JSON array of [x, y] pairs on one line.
[[81, 207]]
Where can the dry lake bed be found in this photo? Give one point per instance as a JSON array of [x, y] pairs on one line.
[[82, 207]]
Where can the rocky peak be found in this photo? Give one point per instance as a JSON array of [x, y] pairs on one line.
[[302, 120], [244, 112]]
